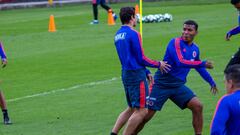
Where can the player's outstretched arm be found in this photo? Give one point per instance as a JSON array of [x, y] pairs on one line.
[[233, 31], [164, 67], [207, 77], [228, 36], [214, 90], [209, 64], [139, 52]]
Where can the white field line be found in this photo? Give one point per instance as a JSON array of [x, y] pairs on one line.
[[73, 87], [64, 89]]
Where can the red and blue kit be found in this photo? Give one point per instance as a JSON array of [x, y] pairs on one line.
[[128, 44], [226, 120], [182, 57]]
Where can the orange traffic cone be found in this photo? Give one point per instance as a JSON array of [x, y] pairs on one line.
[[51, 27], [137, 9], [110, 18]]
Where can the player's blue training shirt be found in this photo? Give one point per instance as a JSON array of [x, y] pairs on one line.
[[226, 120], [130, 52], [2, 52], [235, 30], [182, 57]]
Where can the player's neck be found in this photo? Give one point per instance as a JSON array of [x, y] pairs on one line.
[[233, 90], [236, 90], [188, 42], [129, 25]]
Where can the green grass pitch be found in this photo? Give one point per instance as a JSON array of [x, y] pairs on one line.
[[61, 83]]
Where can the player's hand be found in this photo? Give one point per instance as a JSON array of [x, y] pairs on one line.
[[209, 64], [4, 63], [214, 90], [150, 79], [228, 36], [164, 68]]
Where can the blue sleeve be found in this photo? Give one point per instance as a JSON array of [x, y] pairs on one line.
[[234, 31], [2, 53], [220, 118], [139, 53], [174, 51], [147, 72], [206, 76], [204, 73]]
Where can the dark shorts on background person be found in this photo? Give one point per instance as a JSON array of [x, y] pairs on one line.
[[234, 60], [136, 87], [179, 95]]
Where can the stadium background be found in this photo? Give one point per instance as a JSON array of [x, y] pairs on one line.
[[111, 1]]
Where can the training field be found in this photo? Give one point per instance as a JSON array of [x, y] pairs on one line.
[[68, 82]]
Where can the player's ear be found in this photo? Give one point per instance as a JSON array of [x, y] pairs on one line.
[[133, 17], [231, 83]]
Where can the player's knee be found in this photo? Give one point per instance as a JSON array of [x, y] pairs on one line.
[[142, 112], [102, 4], [198, 107], [129, 110], [137, 116]]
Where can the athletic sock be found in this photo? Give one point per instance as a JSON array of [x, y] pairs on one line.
[[113, 133], [5, 113]]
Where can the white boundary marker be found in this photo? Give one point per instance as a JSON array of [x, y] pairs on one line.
[[72, 88], [64, 89]]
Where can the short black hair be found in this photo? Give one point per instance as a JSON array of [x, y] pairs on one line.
[[126, 14], [235, 2], [191, 22], [233, 73]]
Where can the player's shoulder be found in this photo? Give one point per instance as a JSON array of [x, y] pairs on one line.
[[122, 30], [194, 45], [134, 32], [226, 98], [171, 43], [233, 95], [175, 40]]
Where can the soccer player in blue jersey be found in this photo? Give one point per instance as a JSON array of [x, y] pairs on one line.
[[236, 57], [3, 105], [182, 54], [128, 44], [226, 120], [95, 4]]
